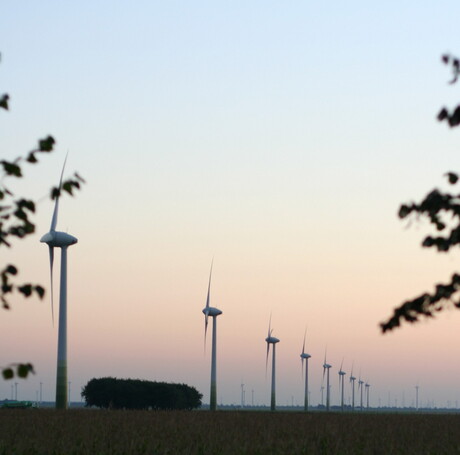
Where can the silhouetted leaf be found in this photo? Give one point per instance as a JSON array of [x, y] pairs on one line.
[[8, 373], [11, 269], [11, 168], [443, 114], [4, 101], [55, 192], [404, 210], [6, 288], [46, 145], [25, 289], [452, 177], [24, 369], [31, 158], [40, 291], [67, 186]]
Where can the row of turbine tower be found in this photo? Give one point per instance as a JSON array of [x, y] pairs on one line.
[[62, 240], [213, 312]]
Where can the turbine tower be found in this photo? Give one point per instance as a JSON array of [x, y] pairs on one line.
[[360, 386], [367, 394], [341, 385], [213, 312], [304, 356], [416, 397], [326, 367], [62, 240], [272, 340], [352, 380]]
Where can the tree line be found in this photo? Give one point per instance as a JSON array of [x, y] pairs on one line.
[[114, 393]]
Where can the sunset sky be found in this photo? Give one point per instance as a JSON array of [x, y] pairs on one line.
[[278, 138]]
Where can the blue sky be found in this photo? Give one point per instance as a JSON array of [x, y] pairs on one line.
[[278, 138]]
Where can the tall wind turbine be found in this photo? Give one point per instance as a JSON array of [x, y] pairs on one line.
[[352, 380], [213, 312], [272, 340], [304, 356], [341, 385], [326, 367], [56, 239]]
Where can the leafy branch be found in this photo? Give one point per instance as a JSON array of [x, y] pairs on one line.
[[16, 222], [443, 212]]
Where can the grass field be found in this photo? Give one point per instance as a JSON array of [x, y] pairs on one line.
[[40, 431]]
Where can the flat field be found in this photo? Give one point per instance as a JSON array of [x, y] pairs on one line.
[[95, 432]]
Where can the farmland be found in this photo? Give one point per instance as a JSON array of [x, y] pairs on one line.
[[40, 431]]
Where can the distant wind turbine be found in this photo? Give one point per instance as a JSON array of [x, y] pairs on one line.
[[213, 312], [367, 394], [326, 367], [352, 380], [56, 239], [272, 340], [360, 386], [341, 384], [304, 356]]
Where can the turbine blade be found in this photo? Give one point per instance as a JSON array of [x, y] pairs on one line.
[[56, 204], [304, 337], [205, 328], [209, 285], [341, 365], [269, 326], [51, 251], [206, 313], [266, 359]]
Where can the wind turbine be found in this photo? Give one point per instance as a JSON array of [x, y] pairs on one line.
[[416, 397], [367, 394], [272, 340], [326, 367], [57, 239], [213, 312], [341, 384], [352, 380], [360, 386], [304, 356]]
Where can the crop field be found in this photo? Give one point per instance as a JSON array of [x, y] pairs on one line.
[[95, 432]]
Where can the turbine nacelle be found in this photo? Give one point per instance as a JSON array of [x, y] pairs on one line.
[[56, 239], [272, 340], [211, 311], [305, 355], [326, 365], [342, 373]]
